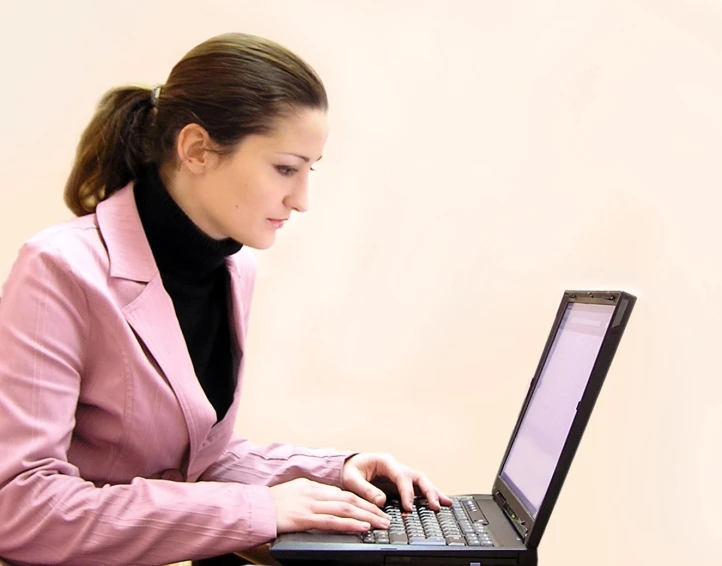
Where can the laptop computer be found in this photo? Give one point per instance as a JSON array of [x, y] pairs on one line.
[[505, 526]]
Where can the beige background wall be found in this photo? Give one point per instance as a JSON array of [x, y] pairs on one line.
[[484, 156]]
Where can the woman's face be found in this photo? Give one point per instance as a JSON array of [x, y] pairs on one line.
[[249, 194]]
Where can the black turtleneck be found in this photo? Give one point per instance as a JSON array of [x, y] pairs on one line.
[[192, 267]]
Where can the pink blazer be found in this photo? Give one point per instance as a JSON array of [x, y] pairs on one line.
[[109, 451]]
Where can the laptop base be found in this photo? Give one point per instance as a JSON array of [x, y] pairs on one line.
[[404, 558], [328, 549]]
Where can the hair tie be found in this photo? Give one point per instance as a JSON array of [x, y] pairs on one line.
[[154, 95]]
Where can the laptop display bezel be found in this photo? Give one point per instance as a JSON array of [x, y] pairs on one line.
[[530, 528]]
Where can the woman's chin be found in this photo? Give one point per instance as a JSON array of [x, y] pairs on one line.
[[261, 241]]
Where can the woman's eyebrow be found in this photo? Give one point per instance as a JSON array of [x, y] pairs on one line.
[[306, 159]]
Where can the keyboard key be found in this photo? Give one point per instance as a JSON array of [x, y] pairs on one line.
[[487, 543]]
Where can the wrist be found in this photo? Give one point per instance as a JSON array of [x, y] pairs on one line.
[[346, 461]]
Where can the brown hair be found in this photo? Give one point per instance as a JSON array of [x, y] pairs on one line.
[[233, 85]]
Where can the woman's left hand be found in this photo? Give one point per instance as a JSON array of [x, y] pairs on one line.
[[361, 469]]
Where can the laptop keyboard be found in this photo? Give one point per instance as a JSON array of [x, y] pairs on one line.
[[462, 524]]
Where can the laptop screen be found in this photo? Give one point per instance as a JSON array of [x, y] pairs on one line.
[[548, 418]]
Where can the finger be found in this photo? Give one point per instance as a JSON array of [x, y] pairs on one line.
[[405, 485], [357, 483], [347, 510], [435, 498], [428, 491], [444, 499], [335, 523], [329, 493]]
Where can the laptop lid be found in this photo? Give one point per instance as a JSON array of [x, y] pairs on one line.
[[561, 396]]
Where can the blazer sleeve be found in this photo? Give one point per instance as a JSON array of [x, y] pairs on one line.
[[50, 515], [269, 465]]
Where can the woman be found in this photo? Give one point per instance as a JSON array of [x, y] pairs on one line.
[[122, 331]]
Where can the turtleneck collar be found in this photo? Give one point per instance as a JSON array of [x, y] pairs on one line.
[[179, 246]]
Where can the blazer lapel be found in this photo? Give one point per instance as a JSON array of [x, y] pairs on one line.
[[237, 306], [150, 311], [152, 317]]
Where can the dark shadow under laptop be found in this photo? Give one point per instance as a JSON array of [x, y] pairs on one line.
[[506, 526]]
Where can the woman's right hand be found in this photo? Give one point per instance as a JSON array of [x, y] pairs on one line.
[[302, 504]]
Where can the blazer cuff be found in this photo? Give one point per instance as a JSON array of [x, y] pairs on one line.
[[261, 512]]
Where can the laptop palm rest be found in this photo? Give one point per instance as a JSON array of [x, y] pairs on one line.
[[315, 537]]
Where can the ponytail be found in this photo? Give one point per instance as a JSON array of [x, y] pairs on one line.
[[112, 149]]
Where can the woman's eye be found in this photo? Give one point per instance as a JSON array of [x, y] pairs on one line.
[[285, 170]]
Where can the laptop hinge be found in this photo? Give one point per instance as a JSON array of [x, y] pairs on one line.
[[518, 524]]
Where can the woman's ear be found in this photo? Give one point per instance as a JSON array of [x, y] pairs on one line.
[[192, 148]]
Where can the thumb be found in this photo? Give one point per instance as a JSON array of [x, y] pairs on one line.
[[358, 484]]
